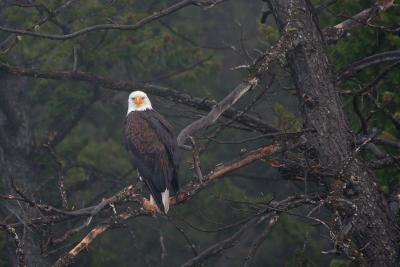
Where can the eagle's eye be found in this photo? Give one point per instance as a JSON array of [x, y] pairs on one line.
[[143, 97]]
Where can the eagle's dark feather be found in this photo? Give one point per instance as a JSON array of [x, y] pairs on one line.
[[153, 147]]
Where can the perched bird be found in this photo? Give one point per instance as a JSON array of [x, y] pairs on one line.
[[153, 147]]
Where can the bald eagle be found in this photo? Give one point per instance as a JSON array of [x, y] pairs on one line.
[[153, 149]]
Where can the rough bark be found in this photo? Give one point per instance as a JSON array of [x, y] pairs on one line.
[[362, 211], [16, 148]]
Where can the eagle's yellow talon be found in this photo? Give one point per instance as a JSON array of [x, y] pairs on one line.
[[147, 206]]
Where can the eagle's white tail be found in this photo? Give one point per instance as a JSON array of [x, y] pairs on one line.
[[152, 201], [165, 200]]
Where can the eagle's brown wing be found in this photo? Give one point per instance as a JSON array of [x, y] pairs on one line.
[[168, 138], [151, 143]]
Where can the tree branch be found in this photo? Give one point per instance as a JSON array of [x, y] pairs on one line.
[[384, 163], [274, 208], [101, 27], [128, 193], [222, 245], [385, 111], [354, 68], [217, 110], [67, 259], [332, 34], [260, 240], [128, 86], [19, 251], [287, 42]]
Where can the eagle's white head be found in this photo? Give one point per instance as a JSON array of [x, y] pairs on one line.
[[138, 101]]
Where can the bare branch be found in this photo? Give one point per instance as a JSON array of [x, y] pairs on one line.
[[180, 71], [19, 251], [275, 208], [384, 163], [51, 14], [69, 233], [382, 141], [185, 236], [332, 34], [196, 160], [285, 43], [60, 127], [385, 111], [323, 6], [217, 110], [60, 167], [361, 118], [67, 259], [145, 208], [128, 86], [258, 242], [222, 245], [101, 27], [255, 138], [355, 67]]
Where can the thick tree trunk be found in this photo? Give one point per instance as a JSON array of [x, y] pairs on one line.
[[16, 149], [361, 208]]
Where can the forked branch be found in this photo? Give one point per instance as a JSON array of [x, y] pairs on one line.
[[188, 191]]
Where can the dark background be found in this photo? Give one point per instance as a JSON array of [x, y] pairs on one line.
[[193, 51]]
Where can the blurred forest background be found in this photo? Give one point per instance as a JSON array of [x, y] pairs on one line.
[[195, 52]]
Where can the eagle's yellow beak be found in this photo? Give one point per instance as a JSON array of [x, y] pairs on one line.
[[138, 100]]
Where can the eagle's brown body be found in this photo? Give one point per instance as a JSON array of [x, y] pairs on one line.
[[153, 147]]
